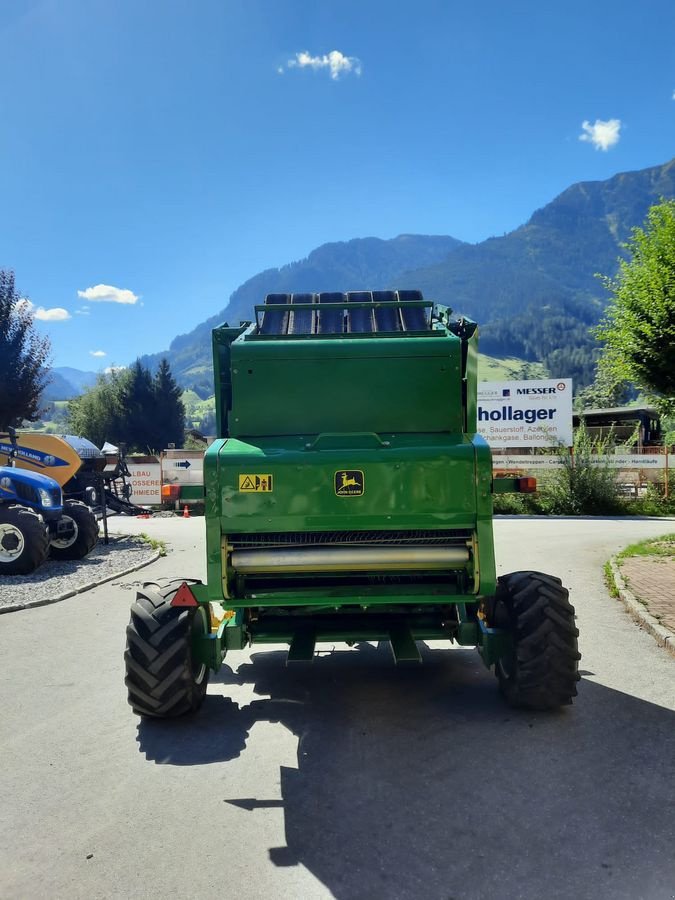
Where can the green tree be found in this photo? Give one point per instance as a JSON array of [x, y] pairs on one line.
[[638, 328], [131, 407], [99, 413], [605, 392], [169, 408], [140, 414], [24, 357]]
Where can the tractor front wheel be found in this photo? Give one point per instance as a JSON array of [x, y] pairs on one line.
[[542, 668], [23, 540], [162, 678], [83, 540]]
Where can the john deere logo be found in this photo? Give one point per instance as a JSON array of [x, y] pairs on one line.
[[349, 483]]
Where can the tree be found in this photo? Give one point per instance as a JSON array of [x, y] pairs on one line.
[[140, 412], [131, 407], [170, 411], [99, 413], [605, 392], [638, 328], [24, 357]]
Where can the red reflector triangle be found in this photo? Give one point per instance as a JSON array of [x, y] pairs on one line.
[[184, 597]]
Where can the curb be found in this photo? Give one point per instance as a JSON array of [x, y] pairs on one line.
[[15, 607], [638, 611]]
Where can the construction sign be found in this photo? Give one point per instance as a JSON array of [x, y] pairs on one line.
[[255, 484]]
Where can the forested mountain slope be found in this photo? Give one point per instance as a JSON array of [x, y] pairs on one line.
[[533, 291]]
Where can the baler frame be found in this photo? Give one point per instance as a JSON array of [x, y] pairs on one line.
[[431, 484]]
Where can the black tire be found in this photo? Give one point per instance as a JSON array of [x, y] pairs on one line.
[[543, 669], [24, 542], [86, 532], [161, 677]]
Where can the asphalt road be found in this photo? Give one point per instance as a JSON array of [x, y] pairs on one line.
[[349, 778]]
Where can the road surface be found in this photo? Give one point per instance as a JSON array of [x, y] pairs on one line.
[[349, 778]]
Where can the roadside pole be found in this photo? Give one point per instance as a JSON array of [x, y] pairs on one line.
[[666, 484]]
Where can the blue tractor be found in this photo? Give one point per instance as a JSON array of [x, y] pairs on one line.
[[35, 522]]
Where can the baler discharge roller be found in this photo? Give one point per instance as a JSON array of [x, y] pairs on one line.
[[296, 560]]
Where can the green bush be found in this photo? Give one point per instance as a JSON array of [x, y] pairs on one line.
[[583, 486], [519, 505], [653, 503]]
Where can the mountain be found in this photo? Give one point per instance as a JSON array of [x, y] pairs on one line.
[[66, 383], [80, 379], [534, 291], [349, 264]]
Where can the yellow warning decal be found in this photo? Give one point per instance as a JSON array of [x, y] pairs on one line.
[[255, 484]]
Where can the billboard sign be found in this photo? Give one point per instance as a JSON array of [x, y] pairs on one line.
[[534, 413], [146, 481]]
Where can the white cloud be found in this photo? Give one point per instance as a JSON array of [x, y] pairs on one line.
[[97, 353], [82, 312], [602, 135], [112, 369], [335, 62], [55, 314], [106, 293]]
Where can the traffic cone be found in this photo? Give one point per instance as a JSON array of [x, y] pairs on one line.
[[186, 512]]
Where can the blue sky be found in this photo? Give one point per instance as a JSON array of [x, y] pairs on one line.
[[154, 155]]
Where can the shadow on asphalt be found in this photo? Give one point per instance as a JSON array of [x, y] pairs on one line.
[[421, 783]]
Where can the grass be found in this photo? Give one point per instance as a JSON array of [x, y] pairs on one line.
[[508, 368], [154, 543], [661, 546], [609, 581]]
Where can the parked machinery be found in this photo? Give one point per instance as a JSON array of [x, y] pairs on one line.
[[35, 521], [349, 498]]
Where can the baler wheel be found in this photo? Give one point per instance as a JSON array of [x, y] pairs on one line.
[[24, 541], [86, 532], [162, 678], [542, 670]]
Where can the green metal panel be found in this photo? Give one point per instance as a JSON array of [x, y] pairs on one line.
[[414, 482], [221, 340], [397, 412], [485, 550], [377, 384], [471, 383], [191, 493], [212, 509]]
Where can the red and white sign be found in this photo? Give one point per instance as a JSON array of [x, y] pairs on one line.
[[146, 481]]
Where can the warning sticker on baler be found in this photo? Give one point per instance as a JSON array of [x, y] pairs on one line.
[[255, 484]]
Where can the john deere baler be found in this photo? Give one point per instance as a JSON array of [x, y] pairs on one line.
[[349, 498]]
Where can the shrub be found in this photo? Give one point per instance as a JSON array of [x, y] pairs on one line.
[[584, 485]]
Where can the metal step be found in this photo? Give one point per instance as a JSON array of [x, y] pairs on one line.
[[302, 647], [403, 645]]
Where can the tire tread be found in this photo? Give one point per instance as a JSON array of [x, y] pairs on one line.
[[544, 666], [157, 657]]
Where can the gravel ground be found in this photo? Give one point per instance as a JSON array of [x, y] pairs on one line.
[[59, 577]]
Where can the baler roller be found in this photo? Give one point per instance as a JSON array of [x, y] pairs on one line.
[[319, 560]]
